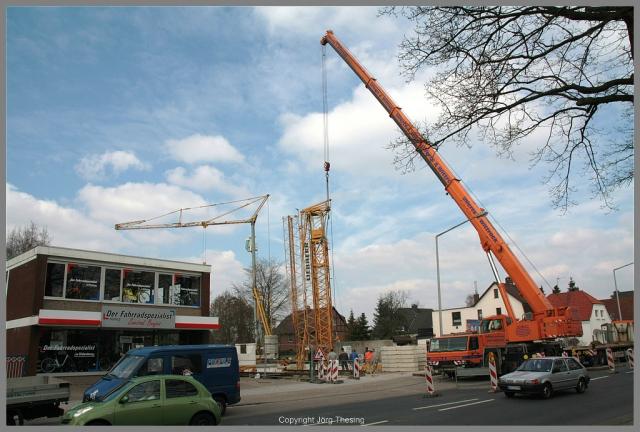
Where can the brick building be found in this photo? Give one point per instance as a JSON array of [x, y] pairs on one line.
[[84, 308], [286, 334]]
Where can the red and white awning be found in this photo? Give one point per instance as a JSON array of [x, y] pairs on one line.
[[51, 317], [197, 322], [69, 318]]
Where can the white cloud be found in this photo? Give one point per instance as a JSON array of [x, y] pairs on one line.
[[96, 167], [359, 132], [206, 178], [315, 20], [135, 201], [226, 270], [202, 148], [67, 226], [559, 248]]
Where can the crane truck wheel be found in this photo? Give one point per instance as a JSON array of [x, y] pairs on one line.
[[547, 391]]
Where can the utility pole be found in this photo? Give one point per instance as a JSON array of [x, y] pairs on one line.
[[615, 284]]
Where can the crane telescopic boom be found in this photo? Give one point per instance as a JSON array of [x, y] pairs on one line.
[[552, 321]]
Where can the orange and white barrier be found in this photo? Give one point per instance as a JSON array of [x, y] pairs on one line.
[[321, 370], [610, 360], [356, 368], [630, 358], [493, 374], [333, 365], [428, 376]]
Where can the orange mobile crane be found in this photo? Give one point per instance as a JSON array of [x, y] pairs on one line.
[[545, 322]]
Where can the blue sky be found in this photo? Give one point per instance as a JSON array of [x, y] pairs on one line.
[[116, 114]]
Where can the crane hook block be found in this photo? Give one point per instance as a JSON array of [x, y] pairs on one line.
[[327, 166]]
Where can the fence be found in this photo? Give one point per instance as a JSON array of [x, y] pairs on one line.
[[16, 366]]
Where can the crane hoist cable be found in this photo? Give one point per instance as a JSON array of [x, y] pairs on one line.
[[327, 164], [325, 119]]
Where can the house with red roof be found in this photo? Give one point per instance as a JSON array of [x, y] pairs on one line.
[[585, 308], [626, 305]]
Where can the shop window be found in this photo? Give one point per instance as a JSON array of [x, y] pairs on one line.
[[112, 279], [83, 282], [186, 290], [55, 280], [178, 388], [456, 318], [146, 391], [186, 364], [137, 286], [164, 288], [67, 350]]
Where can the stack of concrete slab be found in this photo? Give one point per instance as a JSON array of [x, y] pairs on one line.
[[399, 358], [421, 352]]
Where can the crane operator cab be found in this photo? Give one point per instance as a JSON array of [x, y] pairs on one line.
[[494, 323]]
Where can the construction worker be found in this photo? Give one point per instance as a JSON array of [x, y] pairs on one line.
[[353, 356], [332, 355], [344, 359], [368, 356]]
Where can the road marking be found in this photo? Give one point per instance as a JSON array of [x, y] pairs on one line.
[[630, 372], [448, 403], [460, 406], [593, 379], [380, 422]]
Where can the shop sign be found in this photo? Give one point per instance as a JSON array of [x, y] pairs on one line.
[[75, 350], [135, 317]]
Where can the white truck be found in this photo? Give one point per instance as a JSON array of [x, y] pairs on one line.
[[34, 397]]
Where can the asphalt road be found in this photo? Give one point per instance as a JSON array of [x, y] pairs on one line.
[[400, 401], [607, 401]]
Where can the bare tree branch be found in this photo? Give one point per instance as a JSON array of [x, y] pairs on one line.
[[505, 72]]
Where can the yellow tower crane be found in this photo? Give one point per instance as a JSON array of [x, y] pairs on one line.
[[307, 258], [220, 219]]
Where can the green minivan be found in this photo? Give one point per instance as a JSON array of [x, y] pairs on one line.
[[149, 400]]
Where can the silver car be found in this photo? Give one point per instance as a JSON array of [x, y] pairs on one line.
[[544, 376]]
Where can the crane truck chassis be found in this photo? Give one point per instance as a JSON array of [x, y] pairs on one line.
[[503, 334]]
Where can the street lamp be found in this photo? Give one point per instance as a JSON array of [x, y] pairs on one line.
[[438, 274], [615, 284]]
